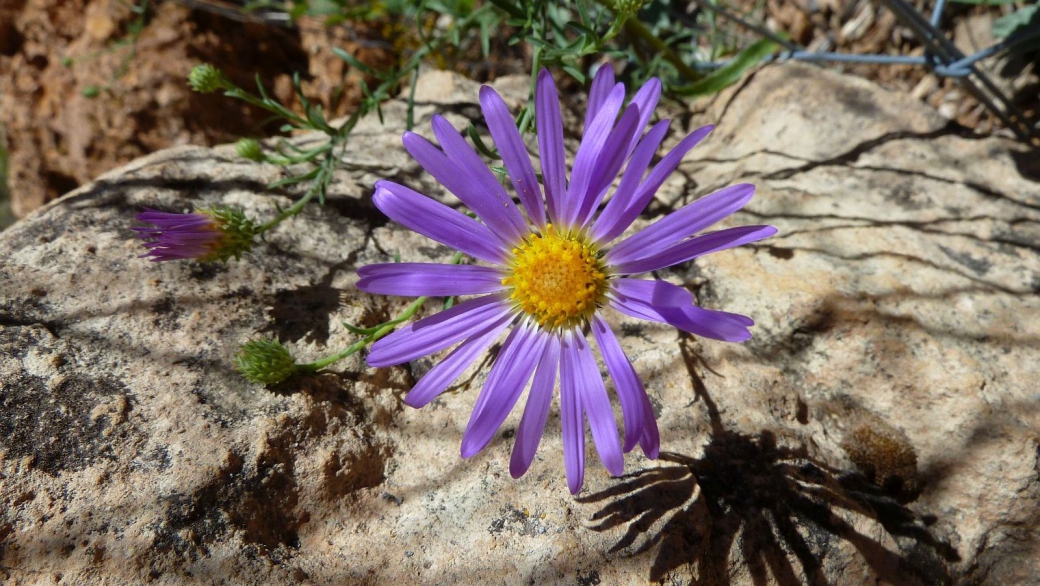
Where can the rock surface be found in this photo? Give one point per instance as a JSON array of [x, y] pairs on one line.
[[880, 427]]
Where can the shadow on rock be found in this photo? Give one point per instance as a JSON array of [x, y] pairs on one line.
[[781, 513]]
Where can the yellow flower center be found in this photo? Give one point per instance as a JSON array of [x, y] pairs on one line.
[[556, 278]]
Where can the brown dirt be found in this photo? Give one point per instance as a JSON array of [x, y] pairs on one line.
[[52, 52]]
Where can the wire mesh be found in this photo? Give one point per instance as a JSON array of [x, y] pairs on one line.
[[941, 56]]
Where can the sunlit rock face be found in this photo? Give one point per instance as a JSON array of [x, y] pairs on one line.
[[879, 426]]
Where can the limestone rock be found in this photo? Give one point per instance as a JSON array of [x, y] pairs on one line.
[[897, 302]]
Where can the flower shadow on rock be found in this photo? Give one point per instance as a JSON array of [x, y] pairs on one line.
[[775, 505]]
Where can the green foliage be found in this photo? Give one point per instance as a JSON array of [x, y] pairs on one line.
[[1018, 21]]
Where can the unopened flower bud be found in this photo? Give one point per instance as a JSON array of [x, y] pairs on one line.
[[265, 361], [627, 8], [249, 148], [206, 79], [207, 235]]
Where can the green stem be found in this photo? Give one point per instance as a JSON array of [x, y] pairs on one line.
[[368, 340], [527, 115], [289, 211], [336, 140], [384, 329], [234, 91], [639, 29], [635, 27]]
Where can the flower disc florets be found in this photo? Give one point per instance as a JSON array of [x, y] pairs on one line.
[[557, 278]]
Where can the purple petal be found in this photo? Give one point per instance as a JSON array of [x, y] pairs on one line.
[[428, 279], [596, 403], [167, 220], [532, 424], [178, 236], [549, 123], [663, 302], [646, 190], [437, 332], [592, 143], [466, 187], [602, 85], [438, 222], [437, 380], [504, 385], [684, 222], [514, 154], [502, 214], [572, 418], [646, 100], [626, 381], [609, 163], [696, 246], [608, 225], [650, 442]]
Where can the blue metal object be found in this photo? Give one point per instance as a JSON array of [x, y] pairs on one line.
[[941, 56]]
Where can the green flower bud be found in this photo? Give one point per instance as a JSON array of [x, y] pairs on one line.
[[265, 361], [207, 79], [249, 148], [627, 8], [236, 233]]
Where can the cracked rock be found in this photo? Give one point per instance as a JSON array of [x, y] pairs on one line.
[[897, 301]]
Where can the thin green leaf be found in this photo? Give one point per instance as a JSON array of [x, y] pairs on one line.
[[353, 62], [731, 72], [575, 73], [1017, 21], [361, 331], [577, 26], [479, 143], [509, 8], [485, 40]]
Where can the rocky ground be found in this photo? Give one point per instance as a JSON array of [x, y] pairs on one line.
[[880, 427]]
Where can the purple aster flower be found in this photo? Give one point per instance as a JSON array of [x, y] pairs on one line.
[[552, 268], [205, 235]]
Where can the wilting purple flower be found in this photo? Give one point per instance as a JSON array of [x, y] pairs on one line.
[[552, 274], [205, 235]]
